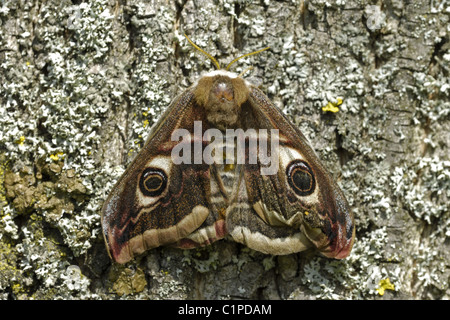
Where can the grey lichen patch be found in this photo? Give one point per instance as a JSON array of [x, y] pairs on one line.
[[355, 277], [288, 266], [76, 282], [427, 201], [169, 278], [42, 196], [165, 286], [203, 259], [43, 257], [148, 82]]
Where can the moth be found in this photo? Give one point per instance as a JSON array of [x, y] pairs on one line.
[[182, 192]]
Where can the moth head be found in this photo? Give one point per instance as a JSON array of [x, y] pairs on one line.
[[325, 218], [221, 93]]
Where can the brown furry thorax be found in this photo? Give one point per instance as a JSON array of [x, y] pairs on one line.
[[222, 97]]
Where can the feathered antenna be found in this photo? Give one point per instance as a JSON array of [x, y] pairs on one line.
[[245, 55], [217, 62], [204, 52]]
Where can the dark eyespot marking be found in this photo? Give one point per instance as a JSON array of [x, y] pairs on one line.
[[301, 178], [153, 182]]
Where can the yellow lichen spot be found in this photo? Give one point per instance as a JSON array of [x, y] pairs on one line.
[[145, 123], [17, 288], [306, 213], [164, 272], [57, 156], [332, 106], [28, 63], [145, 113], [20, 141], [385, 284]]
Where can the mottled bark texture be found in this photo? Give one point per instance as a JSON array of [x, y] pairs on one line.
[[81, 82]]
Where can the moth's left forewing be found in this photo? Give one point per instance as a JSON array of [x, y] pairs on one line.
[[308, 199], [156, 202]]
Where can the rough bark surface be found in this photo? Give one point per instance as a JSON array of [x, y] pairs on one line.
[[81, 82]]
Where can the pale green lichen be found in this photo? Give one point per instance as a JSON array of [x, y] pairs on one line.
[[203, 259], [41, 256], [75, 282], [165, 286], [428, 200], [149, 98]]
